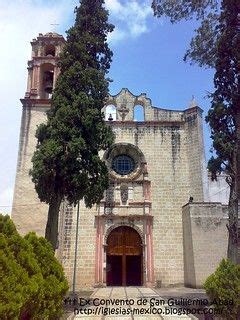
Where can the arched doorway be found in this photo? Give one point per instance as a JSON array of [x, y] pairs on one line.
[[124, 257]]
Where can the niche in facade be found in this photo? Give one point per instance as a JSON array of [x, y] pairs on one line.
[[138, 113], [111, 113], [124, 194], [47, 76], [50, 50]]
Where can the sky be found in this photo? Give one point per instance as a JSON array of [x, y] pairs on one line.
[[147, 57]]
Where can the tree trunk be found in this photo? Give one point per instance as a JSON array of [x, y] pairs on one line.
[[51, 233], [238, 177], [234, 202], [233, 241]]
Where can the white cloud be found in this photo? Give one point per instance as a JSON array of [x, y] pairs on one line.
[[130, 18]]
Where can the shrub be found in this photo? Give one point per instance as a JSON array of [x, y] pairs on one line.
[[223, 288], [32, 280]]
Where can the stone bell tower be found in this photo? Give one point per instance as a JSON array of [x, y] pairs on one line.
[[42, 69], [28, 213]]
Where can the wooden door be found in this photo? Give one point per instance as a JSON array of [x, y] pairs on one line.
[[124, 243]]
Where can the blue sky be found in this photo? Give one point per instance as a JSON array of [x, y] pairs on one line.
[[148, 55]]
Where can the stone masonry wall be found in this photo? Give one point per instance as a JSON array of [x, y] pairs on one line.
[[205, 240], [195, 150], [172, 151], [28, 213]]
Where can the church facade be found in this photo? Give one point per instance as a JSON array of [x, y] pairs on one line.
[[156, 224]]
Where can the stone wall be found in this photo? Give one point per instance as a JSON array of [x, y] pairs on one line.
[[28, 213], [205, 240], [172, 152], [171, 142], [178, 246]]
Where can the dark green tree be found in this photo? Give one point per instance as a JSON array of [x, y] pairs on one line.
[[216, 44], [224, 116], [66, 163], [223, 285], [32, 280]]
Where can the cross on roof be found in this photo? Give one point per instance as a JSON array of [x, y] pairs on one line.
[[54, 25]]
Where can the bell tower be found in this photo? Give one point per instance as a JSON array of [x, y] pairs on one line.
[[43, 68], [28, 212]]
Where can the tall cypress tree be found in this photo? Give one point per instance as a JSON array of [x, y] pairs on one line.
[[66, 163], [217, 44], [224, 116]]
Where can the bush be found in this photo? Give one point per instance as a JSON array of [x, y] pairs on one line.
[[223, 288], [32, 280]]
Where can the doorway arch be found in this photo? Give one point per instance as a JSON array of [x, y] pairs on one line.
[[124, 257]]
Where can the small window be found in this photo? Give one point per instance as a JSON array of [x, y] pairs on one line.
[[123, 164]]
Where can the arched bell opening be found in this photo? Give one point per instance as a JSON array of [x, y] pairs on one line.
[[124, 257], [47, 78], [111, 113], [139, 113], [50, 50]]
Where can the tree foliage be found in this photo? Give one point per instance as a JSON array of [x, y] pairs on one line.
[[223, 287], [225, 106], [203, 45], [32, 280], [66, 164], [224, 115], [217, 44]]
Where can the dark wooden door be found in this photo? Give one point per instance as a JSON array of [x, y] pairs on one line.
[[124, 257]]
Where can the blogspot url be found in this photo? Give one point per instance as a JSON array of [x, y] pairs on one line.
[[106, 311]]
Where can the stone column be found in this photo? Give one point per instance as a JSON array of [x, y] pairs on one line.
[[36, 80], [149, 247], [29, 82], [97, 277], [99, 252], [55, 75]]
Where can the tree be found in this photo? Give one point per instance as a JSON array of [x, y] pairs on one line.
[[66, 163], [224, 116], [223, 285], [33, 284], [216, 44], [204, 44]]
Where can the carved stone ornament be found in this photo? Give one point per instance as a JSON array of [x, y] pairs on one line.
[[123, 111], [124, 194]]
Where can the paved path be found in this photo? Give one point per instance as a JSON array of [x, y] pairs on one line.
[[143, 304]]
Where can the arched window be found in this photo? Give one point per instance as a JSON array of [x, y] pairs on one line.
[[47, 77], [111, 113], [138, 113], [50, 50]]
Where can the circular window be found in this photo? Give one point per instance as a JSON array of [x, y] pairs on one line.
[[123, 164]]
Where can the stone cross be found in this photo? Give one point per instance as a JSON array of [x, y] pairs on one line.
[[54, 25], [123, 109]]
